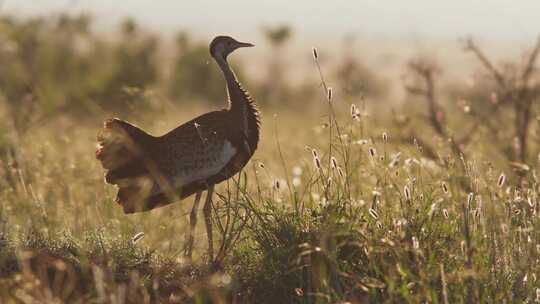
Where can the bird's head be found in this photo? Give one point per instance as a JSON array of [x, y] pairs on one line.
[[222, 46]]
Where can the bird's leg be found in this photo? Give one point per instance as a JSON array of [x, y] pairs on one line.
[[208, 219], [192, 224]]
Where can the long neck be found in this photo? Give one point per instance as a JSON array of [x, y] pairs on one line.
[[238, 100], [241, 104]]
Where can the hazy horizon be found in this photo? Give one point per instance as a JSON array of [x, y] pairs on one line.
[[496, 20]]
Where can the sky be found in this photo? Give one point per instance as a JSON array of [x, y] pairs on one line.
[[512, 21]]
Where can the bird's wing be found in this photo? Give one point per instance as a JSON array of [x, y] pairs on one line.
[[194, 152], [178, 164]]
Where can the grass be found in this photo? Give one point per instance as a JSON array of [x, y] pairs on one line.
[[342, 205], [390, 228]]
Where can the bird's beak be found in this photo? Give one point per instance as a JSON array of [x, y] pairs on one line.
[[244, 44]]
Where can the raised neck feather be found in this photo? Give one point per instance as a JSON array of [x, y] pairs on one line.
[[240, 103]]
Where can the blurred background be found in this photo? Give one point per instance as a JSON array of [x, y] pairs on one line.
[[373, 36], [495, 19], [162, 46]]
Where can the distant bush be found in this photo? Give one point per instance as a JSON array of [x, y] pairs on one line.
[[133, 69], [195, 74], [59, 66], [506, 93], [357, 79]]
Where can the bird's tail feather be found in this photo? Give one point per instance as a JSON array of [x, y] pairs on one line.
[[116, 144], [133, 192], [121, 151]]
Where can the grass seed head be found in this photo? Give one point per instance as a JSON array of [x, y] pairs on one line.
[[373, 213], [137, 237], [407, 193], [340, 172], [355, 113], [314, 53], [432, 209], [317, 163], [372, 152], [333, 162], [277, 185], [329, 94], [501, 180], [444, 187]]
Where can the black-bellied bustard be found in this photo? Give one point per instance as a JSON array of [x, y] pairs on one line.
[[153, 171]]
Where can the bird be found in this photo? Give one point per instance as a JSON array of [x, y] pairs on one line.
[[154, 171]]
